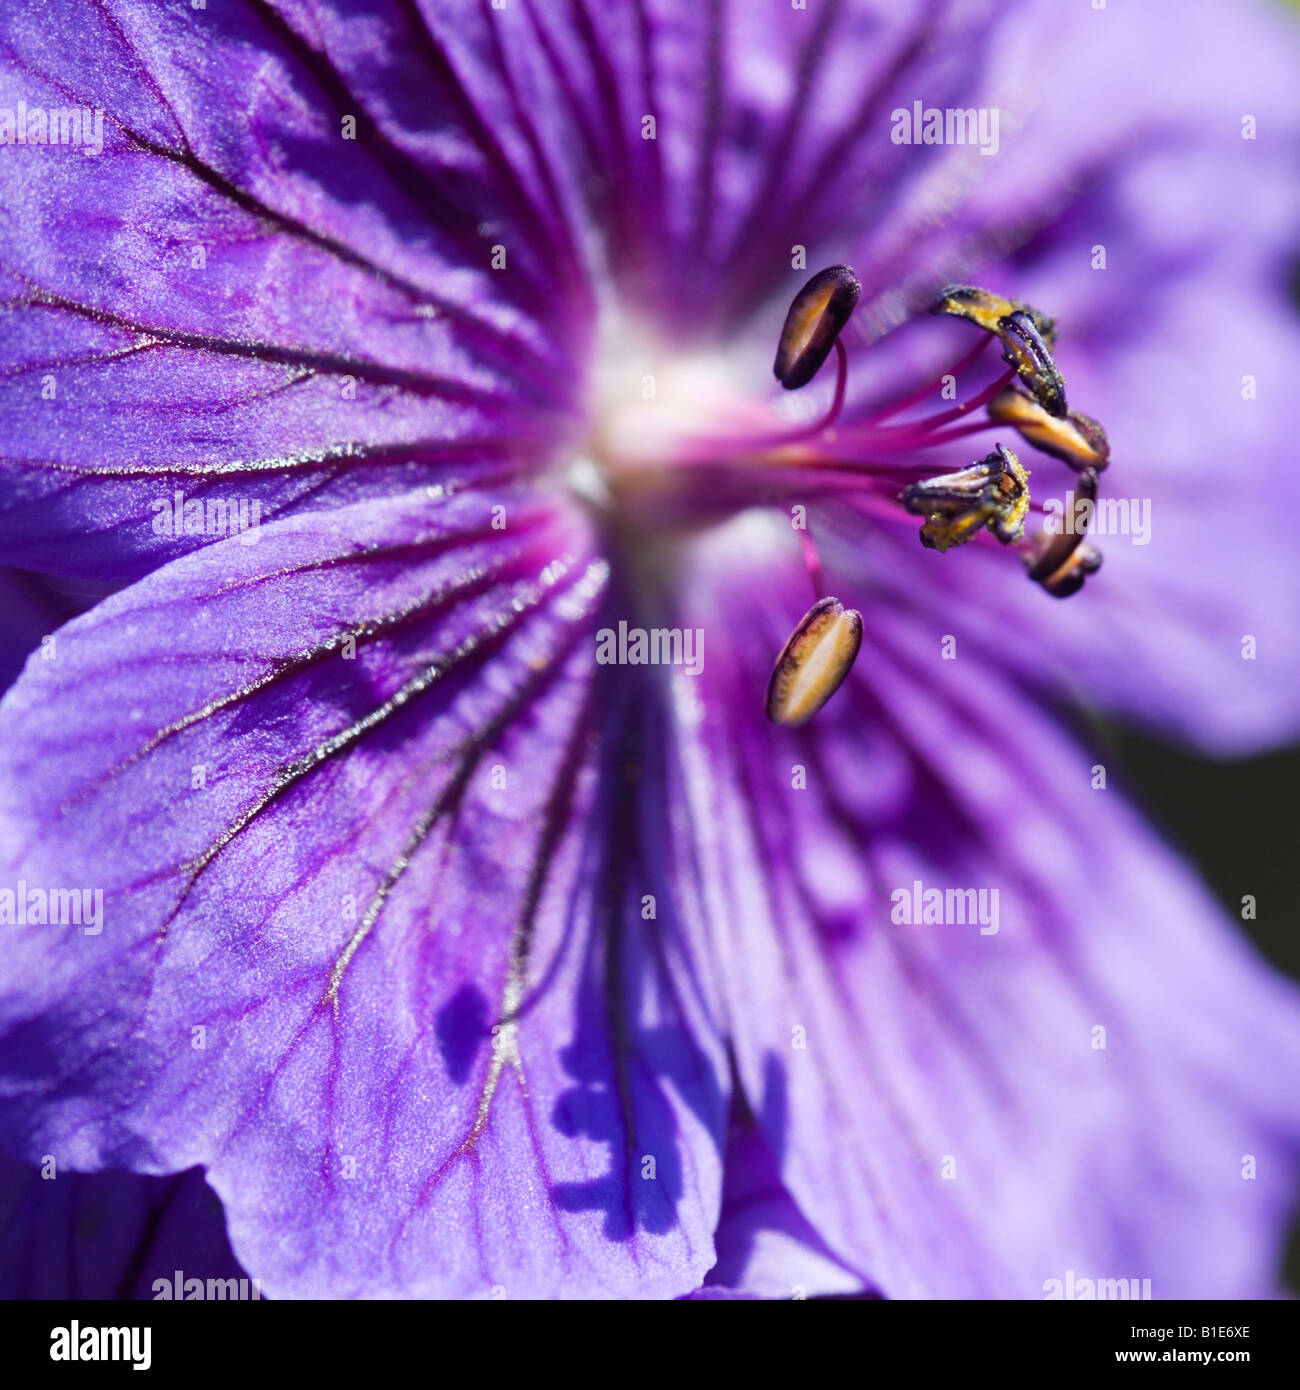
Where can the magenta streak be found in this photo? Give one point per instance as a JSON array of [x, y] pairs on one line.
[[912, 398], [919, 434], [813, 561]]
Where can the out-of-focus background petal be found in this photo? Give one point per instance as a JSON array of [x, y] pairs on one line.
[[107, 1235]]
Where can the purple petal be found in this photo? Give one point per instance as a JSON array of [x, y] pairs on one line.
[[939, 1097], [444, 1047], [288, 317], [111, 1235], [250, 795], [766, 1246], [1193, 300]]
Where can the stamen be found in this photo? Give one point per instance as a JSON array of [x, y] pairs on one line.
[[812, 326], [856, 455], [824, 422], [1062, 580], [988, 309], [814, 662], [1028, 353], [1061, 562], [992, 493], [1027, 337], [926, 391], [1076, 439], [813, 563]]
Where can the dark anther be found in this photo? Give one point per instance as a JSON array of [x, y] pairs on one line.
[[1026, 350], [820, 310], [1026, 336], [1061, 562], [992, 493], [987, 309], [1075, 438]]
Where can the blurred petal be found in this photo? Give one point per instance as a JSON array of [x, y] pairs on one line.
[[946, 1112], [766, 1248], [1177, 342], [411, 910], [108, 1235]]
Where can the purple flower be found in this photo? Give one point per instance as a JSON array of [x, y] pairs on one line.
[[445, 891]]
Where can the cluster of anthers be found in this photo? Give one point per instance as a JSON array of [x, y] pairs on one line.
[[990, 498]]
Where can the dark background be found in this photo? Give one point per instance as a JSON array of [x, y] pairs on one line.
[[1237, 824]]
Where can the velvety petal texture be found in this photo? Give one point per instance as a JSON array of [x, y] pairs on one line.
[[366, 945], [287, 317]]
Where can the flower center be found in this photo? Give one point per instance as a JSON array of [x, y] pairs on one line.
[[678, 441], [649, 405]]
